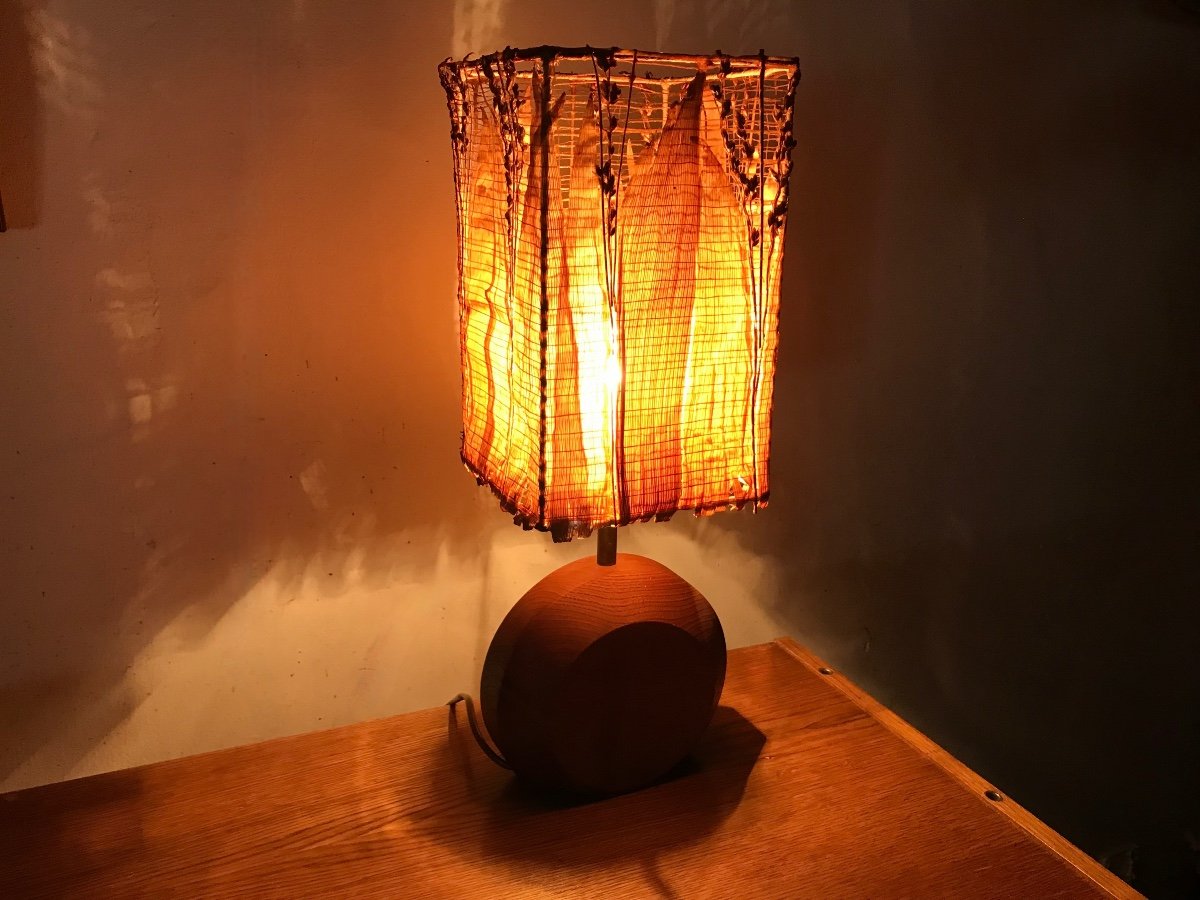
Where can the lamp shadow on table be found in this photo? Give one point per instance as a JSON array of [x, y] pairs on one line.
[[43, 843], [555, 832]]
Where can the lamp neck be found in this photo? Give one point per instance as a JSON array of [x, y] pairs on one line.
[[606, 545]]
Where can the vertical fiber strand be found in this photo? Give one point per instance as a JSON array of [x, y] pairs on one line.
[[658, 237]]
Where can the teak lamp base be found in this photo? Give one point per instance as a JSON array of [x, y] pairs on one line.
[[603, 677]]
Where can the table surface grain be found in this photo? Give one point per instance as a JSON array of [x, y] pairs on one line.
[[803, 787]]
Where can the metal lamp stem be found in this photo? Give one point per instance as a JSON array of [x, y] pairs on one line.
[[606, 545]]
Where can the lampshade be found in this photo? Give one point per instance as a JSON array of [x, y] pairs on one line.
[[620, 238]]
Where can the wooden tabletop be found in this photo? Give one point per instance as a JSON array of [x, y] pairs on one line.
[[803, 787]]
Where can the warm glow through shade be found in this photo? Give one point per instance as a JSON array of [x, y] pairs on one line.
[[620, 243]]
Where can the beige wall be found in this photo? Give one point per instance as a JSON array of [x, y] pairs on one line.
[[232, 506]]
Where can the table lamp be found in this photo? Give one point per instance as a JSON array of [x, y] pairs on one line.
[[620, 240]]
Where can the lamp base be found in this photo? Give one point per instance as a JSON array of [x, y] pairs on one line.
[[602, 678]]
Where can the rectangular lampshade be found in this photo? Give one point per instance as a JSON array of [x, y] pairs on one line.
[[620, 239]]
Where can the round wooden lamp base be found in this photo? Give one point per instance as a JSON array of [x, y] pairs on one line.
[[602, 678]]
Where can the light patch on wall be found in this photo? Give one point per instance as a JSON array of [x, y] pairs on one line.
[[145, 402], [64, 64], [313, 483], [141, 408], [123, 281], [664, 15], [477, 25], [100, 211], [131, 310], [328, 663]]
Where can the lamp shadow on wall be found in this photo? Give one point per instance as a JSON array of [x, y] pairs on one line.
[[984, 501], [21, 123], [238, 368]]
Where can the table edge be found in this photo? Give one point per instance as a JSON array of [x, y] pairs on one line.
[[976, 784]]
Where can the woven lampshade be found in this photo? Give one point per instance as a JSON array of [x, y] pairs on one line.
[[620, 239]]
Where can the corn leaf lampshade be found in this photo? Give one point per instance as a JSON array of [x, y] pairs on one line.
[[620, 237]]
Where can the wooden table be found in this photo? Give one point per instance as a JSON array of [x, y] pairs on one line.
[[803, 787]]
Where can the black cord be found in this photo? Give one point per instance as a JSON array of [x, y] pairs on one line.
[[479, 738]]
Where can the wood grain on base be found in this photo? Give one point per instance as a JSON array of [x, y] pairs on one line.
[[798, 789]]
